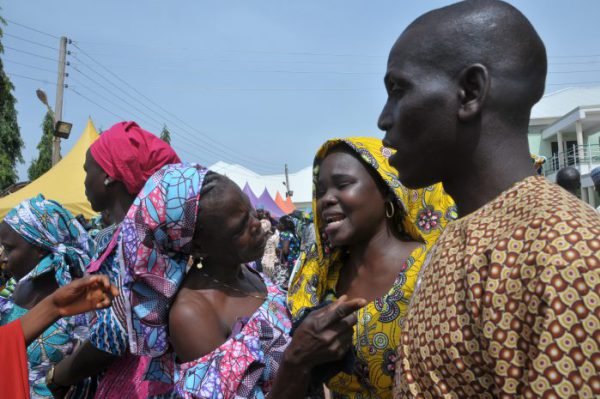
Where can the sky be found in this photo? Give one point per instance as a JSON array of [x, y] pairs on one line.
[[258, 83]]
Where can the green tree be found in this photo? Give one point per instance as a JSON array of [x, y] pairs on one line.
[[165, 135], [11, 143], [43, 162]]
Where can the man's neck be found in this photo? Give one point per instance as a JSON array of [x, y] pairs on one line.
[[487, 177]]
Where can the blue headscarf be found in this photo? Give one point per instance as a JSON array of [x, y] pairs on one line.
[[595, 175], [46, 224]]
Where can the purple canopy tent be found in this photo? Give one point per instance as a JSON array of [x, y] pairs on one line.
[[268, 204], [253, 198]]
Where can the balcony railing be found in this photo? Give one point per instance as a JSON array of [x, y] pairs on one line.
[[578, 156]]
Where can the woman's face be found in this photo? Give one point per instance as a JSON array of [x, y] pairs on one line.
[[95, 189], [231, 231], [350, 205], [20, 256]]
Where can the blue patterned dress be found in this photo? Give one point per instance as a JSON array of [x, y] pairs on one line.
[[51, 347], [48, 225]]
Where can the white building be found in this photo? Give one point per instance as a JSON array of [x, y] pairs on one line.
[[565, 128]]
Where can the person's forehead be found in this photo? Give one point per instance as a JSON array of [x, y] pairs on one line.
[[338, 161], [7, 235]]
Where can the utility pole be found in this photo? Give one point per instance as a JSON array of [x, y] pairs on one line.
[[60, 87], [288, 192]]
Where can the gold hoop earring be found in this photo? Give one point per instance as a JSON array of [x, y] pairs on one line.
[[390, 210]]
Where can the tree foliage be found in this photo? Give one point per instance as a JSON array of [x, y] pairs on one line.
[[43, 162], [11, 143], [165, 135]]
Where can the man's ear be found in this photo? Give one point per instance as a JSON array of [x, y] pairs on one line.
[[474, 84]]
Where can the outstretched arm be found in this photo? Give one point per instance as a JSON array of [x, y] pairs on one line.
[[80, 296]]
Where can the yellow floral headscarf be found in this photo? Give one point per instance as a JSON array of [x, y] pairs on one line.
[[377, 333]]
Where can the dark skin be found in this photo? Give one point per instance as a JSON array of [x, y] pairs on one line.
[[112, 197], [204, 311], [113, 200], [569, 178], [351, 209], [475, 142], [21, 257]]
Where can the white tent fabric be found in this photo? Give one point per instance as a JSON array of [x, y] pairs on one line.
[[300, 181]]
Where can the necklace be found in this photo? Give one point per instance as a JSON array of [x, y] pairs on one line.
[[231, 287]]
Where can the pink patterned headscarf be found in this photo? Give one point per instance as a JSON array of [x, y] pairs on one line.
[[130, 154]]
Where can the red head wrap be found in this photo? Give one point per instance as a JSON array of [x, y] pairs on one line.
[[130, 154]]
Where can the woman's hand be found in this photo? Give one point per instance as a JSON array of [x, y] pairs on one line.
[[325, 335], [83, 295]]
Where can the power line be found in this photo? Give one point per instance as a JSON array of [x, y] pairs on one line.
[[32, 54], [32, 29], [573, 83], [95, 103], [141, 119], [28, 65], [575, 56], [118, 116], [192, 137], [224, 149], [30, 41], [16, 75], [589, 70]]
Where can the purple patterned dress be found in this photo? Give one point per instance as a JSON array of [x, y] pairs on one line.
[[244, 366]]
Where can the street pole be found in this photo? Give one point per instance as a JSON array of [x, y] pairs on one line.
[[60, 87], [288, 192]]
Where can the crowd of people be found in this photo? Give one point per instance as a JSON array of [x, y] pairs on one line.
[[435, 262]]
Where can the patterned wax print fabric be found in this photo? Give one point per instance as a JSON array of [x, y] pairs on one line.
[[56, 343], [269, 260], [294, 248], [48, 225], [377, 333], [244, 366], [108, 330], [152, 249], [508, 305]]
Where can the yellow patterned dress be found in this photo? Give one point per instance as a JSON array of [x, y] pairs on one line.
[[377, 333]]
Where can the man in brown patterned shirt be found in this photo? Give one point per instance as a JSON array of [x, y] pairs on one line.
[[508, 304]]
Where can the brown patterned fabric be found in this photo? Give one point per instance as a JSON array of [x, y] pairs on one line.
[[509, 303]]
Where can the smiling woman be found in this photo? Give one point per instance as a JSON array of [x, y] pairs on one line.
[[374, 237]]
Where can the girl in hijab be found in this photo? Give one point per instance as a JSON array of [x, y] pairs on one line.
[[374, 236], [45, 248], [117, 166]]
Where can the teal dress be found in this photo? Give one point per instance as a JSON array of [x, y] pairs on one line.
[[51, 347]]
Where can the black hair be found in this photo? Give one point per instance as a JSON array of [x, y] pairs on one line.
[[287, 223], [569, 178], [211, 192]]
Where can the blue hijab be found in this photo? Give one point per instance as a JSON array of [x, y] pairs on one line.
[[48, 225]]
